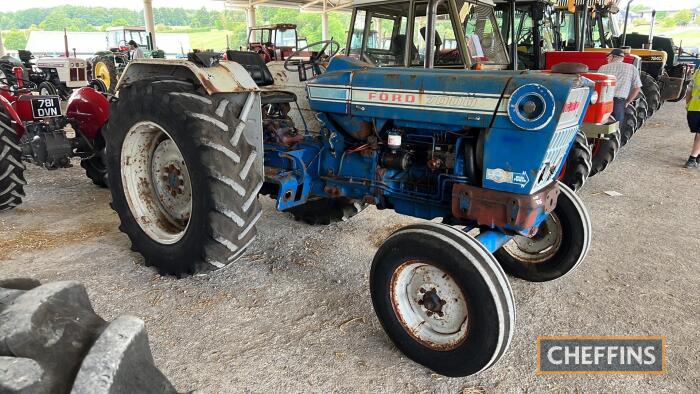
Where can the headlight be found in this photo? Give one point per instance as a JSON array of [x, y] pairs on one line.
[[594, 97], [531, 107]]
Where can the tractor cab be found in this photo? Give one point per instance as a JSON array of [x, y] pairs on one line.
[[119, 37], [275, 42], [393, 33]]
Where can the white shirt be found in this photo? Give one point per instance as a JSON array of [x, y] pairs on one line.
[[137, 53], [627, 77]]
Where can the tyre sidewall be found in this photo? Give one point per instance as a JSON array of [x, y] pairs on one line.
[[573, 247], [478, 348], [178, 126]]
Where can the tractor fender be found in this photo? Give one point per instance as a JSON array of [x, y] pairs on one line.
[[10, 110], [89, 109], [223, 77]]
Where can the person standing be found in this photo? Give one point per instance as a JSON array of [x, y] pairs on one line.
[[135, 51], [629, 82], [692, 99]]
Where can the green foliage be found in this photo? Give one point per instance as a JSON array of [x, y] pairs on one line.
[[668, 23], [683, 17], [639, 8], [15, 39], [231, 22]]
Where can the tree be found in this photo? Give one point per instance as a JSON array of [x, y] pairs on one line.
[[683, 17], [14, 39], [55, 21]]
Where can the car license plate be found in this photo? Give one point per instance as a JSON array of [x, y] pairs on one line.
[[46, 107]]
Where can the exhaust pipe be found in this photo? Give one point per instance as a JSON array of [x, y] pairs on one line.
[[513, 39], [65, 42], [430, 33], [650, 44], [624, 29]]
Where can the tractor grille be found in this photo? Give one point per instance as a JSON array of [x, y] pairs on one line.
[[556, 152]]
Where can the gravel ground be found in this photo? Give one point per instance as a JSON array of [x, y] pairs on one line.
[[294, 315]]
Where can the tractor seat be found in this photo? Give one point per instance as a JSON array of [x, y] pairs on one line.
[[254, 64]]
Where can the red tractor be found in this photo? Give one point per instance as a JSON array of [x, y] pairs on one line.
[[33, 129]]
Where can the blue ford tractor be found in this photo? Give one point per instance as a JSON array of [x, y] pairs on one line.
[[191, 145]]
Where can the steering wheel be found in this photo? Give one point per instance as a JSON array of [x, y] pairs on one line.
[[315, 60], [7, 86]]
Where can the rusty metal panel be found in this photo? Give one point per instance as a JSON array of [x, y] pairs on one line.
[[502, 210]]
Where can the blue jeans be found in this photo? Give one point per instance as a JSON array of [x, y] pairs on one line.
[[619, 109]]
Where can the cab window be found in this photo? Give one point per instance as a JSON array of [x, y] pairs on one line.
[[484, 42], [445, 50]]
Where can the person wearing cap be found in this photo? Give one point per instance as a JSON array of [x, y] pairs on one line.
[[135, 51], [692, 99], [629, 82]]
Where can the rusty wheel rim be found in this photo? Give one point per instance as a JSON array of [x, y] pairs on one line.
[[430, 305], [156, 182], [540, 248]]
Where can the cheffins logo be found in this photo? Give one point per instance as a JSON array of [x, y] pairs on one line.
[[601, 355]]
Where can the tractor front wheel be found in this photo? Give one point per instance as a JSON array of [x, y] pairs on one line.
[[11, 167], [604, 152], [46, 88], [326, 211], [559, 246], [443, 299], [185, 173], [578, 164], [104, 69]]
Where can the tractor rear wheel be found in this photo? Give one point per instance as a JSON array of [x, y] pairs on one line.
[[642, 108], [578, 164], [52, 341], [604, 152], [326, 211], [11, 167], [46, 88], [628, 126], [185, 173], [652, 92], [104, 69], [443, 299], [559, 246]]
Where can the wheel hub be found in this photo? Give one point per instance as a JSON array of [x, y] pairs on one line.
[[430, 305], [156, 182], [431, 302], [542, 246]]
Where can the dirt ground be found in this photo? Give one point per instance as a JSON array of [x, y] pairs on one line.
[[294, 315]]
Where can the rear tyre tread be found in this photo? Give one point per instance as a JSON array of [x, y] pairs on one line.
[[12, 180], [225, 206], [578, 163], [605, 153], [326, 211]]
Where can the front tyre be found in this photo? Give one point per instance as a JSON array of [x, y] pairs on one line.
[[46, 88], [183, 173], [560, 245], [442, 299]]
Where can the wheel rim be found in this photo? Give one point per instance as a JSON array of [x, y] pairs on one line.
[[540, 248], [102, 72], [156, 182], [430, 305]]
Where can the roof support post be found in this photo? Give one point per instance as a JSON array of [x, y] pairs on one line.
[[2, 47], [324, 22], [150, 24], [250, 14]]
